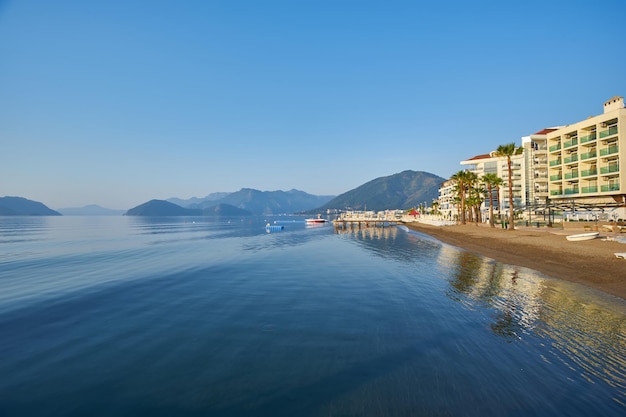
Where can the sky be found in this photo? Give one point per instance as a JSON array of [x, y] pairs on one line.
[[116, 103]]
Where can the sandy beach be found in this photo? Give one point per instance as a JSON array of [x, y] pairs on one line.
[[591, 263]]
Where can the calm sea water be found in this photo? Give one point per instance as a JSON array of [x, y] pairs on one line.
[[125, 316]]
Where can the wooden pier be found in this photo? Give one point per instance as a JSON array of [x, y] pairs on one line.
[[367, 219]]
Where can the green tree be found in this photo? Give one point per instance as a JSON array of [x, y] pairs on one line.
[[474, 196], [464, 180], [435, 207], [492, 182], [507, 151], [460, 178]]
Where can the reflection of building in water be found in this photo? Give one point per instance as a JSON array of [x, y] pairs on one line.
[[583, 330], [514, 291], [371, 232]]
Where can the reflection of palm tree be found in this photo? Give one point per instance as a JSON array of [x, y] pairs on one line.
[[507, 151], [492, 181]]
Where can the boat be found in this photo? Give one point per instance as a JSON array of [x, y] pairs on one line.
[[582, 236], [310, 221], [620, 255]]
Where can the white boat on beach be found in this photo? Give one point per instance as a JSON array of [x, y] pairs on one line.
[[582, 236]]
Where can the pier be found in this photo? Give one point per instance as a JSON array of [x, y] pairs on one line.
[[366, 219]]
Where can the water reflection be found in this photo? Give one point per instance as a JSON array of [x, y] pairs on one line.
[[581, 328], [368, 232], [584, 329]]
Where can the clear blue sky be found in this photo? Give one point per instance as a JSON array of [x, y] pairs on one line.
[[119, 102]]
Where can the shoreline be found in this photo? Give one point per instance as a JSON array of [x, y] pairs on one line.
[[591, 263]]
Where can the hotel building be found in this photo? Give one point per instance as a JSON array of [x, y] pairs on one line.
[[489, 163], [584, 160], [573, 167]]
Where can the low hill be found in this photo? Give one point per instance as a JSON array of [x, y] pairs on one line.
[[404, 190], [19, 206], [162, 208]]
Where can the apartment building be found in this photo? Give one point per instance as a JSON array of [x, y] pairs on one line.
[[584, 160], [447, 200], [536, 175]]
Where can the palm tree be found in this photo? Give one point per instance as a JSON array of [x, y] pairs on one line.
[[508, 151], [461, 185], [473, 194], [492, 181], [435, 207]]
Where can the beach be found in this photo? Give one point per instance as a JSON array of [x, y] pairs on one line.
[[592, 262]]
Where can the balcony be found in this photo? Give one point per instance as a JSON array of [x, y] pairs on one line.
[[588, 172], [569, 191], [588, 155], [556, 177], [570, 159], [555, 162], [555, 147], [571, 143], [609, 151], [589, 138], [609, 132], [556, 192], [610, 169], [610, 187], [571, 175], [592, 189]]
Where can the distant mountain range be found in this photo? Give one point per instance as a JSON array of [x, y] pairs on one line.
[[90, 210], [19, 206], [260, 202], [405, 190], [165, 208]]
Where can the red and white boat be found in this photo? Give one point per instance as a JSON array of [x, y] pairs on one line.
[[317, 220]]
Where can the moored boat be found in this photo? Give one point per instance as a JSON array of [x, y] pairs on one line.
[[315, 220], [582, 236]]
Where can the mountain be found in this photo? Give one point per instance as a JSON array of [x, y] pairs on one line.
[[90, 210], [197, 201], [225, 210], [404, 190], [18, 206], [165, 208], [268, 202], [162, 208]]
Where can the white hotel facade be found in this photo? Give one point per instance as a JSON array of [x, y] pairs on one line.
[[573, 167]]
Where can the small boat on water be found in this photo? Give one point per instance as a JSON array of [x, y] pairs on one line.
[[582, 236], [315, 220]]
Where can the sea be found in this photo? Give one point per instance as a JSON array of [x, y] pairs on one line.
[[203, 316]]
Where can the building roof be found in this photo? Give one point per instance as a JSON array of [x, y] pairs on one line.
[[483, 156], [545, 131]]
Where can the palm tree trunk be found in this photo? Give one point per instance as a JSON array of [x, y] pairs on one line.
[[491, 224], [511, 213]]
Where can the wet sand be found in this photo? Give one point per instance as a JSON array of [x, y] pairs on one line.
[[591, 262]]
